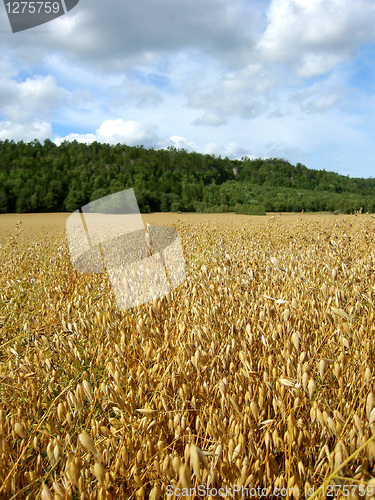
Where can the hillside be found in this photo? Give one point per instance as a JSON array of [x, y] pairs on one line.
[[38, 177]]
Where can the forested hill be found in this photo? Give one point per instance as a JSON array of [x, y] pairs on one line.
[[38, 177]]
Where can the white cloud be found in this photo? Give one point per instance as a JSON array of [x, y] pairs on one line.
[[7, 68], [317, 99], [241, 94], [285, 151], [145, 96], [25, 131], [232, 150], [84, 138], [131, 132], [312, 36], [324, 102], [34, 98], [119, 35], [182, 143]]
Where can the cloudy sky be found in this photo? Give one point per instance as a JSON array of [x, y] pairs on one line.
[[261, 78]]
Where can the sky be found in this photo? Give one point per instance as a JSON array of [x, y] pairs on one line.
[[292, 79]]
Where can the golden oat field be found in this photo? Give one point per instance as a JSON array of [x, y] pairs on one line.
[[258, 371]]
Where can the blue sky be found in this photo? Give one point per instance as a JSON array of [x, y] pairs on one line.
[[285, 78]]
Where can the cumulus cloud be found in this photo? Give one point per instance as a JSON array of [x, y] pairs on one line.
[[32, 98], [313, 36], [25, 131], [181, 143], [7, 67], [319, 98], [241, 93], [322, 103], [145, 96], [131, 132], [285, 151], [27, 107], [308, 37], [83, 138], [232, 150], [118, 35]]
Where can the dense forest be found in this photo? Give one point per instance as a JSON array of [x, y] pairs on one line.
[[37, 177]]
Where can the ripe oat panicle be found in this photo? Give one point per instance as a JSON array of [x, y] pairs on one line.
[[257, 370]]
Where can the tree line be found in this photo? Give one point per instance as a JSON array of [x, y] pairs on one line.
[[37, 177]]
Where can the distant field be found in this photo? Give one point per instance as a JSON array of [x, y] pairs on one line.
[[258, 371], [55, 223]]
